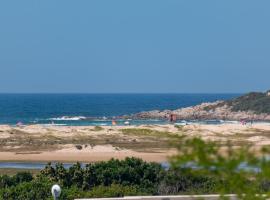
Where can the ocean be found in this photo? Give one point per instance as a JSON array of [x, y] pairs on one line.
[[92, 109]]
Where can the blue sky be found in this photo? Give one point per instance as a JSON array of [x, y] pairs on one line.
[[134, 46]]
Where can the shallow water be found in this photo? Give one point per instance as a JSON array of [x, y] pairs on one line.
[[28, 165], [41, 165]]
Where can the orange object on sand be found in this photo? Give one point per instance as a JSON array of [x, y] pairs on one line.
[[113, 122]]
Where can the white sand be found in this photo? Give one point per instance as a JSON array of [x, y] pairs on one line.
[[257, 134]]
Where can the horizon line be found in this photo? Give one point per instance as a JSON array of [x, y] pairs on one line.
[[122, 92]]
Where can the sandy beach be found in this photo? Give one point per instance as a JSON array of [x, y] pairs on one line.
[[75, 156], [89, 143]]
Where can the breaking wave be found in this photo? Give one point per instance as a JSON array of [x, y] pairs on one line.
[[68, 118]]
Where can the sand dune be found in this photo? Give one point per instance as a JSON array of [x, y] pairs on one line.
[[88, 143]]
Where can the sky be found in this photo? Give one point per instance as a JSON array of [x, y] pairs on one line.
[[134, 46]]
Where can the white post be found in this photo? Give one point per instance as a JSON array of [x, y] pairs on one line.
[[56, 191]]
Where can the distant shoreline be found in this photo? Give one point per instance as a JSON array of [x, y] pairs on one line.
[[73, 157]]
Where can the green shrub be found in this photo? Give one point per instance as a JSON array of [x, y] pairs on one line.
[[98, 128], [199, 168], [257, 102], [27, 191]]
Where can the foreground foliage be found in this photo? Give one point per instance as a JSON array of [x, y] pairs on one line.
[[199, 168], [104, 179]]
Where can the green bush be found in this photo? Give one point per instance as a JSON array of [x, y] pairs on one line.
[[20, 177], [234, 170], [98, 128], [27, 190], [114, 190], [130, 171], [257, 102], [199, 168]]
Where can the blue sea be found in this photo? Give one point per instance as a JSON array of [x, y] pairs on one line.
[[92, 109]]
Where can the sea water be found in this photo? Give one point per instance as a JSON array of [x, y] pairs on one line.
[[93, 109]]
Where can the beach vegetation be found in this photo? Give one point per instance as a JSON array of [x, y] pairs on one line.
[[200, 167], [98, 128], [12, 171], [149, 140], [78, 146], [137, 139], [255, 101], [258, 102], [143, 132], [179, 127]]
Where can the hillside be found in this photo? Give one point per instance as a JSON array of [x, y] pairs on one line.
[[251, 106], [257, 102]]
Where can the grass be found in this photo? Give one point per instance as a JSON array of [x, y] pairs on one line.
[[153, 139], [137, 139], [11, 172], [241, 138], [98, 128], [150, 133], [148, 141], [179, 127]]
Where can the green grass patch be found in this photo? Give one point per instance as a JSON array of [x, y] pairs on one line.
[[179, 127], [11, 172], [150, 133], [98, 128]]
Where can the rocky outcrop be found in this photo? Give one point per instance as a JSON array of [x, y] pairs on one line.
[[218, 110]]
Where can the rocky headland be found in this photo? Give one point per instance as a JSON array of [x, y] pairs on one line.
[[252, 106]]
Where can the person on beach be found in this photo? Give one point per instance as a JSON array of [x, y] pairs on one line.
[[114, 123], [172, 118]]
